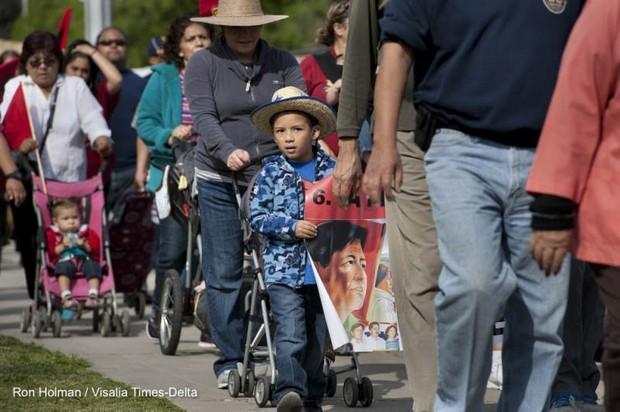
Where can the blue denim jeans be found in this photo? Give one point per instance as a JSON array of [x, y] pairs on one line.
[[171, 253], [222, 257], [300, 340], [482, 215]]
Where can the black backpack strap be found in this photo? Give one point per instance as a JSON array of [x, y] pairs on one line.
[[327, 63], [50, 120]]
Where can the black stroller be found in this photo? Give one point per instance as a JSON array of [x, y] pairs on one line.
[[177, 291]]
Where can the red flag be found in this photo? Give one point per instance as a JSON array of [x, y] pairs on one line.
[[16, 126], [206, 8], [63, 27], [7, 70]]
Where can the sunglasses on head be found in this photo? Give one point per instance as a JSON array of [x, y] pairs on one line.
[[118, 42], [34, 63]]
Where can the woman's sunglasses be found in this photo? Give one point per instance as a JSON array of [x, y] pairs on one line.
[[34, 63]]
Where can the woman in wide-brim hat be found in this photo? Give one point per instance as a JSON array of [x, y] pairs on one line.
[[224, 84]]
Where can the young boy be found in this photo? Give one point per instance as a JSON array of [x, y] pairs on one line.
[[73, 247], [296, 121]]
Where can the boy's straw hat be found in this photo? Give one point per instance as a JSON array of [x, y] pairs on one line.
[[239, 13], [292, 99]]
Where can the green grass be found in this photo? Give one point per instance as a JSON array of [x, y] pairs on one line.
[[29, 366]]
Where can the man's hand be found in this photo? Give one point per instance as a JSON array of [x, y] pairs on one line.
[[238, 160], [347, 173], [549, 248], [28, 145], [103, 146], [384, 172], [15, 191], [305, 230]]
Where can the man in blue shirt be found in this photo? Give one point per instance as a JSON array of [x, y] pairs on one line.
[[484, 75], [112, 43]]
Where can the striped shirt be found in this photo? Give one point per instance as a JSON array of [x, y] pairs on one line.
[[186, 114]]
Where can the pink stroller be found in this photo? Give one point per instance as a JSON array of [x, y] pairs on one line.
[[45, 312]]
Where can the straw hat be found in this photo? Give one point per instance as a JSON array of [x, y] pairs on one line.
[[292, 99], [239, 13]]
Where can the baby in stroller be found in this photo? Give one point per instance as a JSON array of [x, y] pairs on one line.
[[73, 247]]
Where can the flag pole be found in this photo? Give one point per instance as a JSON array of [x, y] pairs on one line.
[[34, 136]]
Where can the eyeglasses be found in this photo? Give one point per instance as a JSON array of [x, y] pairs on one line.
[[35, 63], [118, 42]]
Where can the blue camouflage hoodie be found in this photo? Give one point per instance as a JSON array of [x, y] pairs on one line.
[[276, 206]]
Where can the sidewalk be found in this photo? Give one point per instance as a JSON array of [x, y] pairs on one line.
[[138, 362]]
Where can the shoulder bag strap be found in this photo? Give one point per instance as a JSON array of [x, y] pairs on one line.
[[327, 63], [50, 120]]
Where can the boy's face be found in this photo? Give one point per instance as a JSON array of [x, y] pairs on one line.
[[294, 135], [67, 219]]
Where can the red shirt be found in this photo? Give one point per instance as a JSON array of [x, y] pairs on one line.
[[55, 237], [316, 81], [108, 103]]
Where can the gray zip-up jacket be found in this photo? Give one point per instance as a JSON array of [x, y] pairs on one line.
[[222, 93]]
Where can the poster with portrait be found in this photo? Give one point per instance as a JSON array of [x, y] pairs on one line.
[[351, 267]]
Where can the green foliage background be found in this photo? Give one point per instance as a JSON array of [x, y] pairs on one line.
[[142, 20]]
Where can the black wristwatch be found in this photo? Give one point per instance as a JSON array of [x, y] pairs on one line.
[[17, 175]]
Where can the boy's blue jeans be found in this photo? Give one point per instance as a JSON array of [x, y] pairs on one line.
[[481, 211], [300, 340]]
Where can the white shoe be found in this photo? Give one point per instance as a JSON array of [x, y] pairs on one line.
[[496, 376], [222, 379]]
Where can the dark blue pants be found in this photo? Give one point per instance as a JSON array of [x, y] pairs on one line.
[[222, 257], [300, 340], [171, 252]]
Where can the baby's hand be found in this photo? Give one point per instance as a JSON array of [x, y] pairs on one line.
[[305, 230], [80, 241], [66, 240]]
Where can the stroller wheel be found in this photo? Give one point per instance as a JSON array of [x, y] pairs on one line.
[[47, 320], [139, 305], [25, 320], [171, 313], [365, 392], [262, 392], [350, 392], [37, 323], [125, 322], [106, 324], [234, 383], [250, 383], [56, 324], [332, 384], [96, 318]]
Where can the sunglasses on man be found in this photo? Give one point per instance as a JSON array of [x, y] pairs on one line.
[[118, 42]]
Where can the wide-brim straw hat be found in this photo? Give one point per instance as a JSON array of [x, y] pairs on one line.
[[239, 13], [292, 99]]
